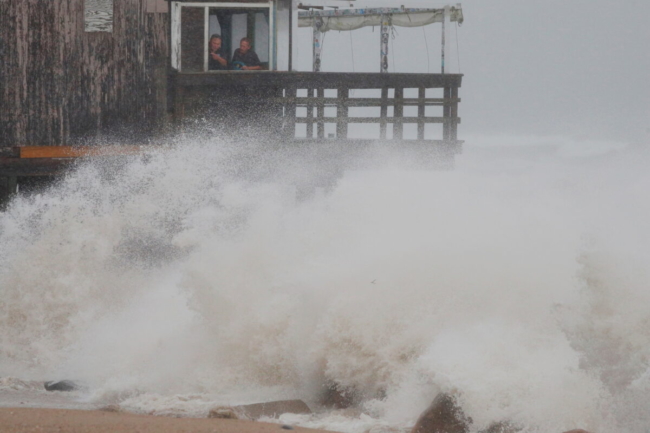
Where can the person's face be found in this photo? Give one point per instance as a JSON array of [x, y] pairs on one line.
[[215, 44], [244, 46]]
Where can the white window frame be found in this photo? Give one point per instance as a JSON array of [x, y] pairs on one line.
[[176, 28]]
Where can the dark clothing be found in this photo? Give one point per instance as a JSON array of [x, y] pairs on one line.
[[214, 65], [248, 59]]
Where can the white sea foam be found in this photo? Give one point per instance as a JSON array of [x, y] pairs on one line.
[[220, 273]]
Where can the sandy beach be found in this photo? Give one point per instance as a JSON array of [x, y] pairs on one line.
[[98, 421]]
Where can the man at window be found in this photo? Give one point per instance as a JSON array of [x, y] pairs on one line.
[[217, 57], [244, 58]]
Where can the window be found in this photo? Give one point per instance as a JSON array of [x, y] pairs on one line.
[[98, 15], [194, 25]]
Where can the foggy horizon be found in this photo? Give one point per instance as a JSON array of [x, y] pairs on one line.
[[574, 69]]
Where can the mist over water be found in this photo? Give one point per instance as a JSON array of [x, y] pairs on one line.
[[216, 272]]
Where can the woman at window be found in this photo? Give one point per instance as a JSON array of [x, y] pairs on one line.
[[217, 56]]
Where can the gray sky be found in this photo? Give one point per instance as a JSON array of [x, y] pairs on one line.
[[576, 68]]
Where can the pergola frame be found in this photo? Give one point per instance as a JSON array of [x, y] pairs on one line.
[[384, 17]]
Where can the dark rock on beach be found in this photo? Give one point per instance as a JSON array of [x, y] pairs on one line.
[[443, 416], [337, 397], [62, 385]]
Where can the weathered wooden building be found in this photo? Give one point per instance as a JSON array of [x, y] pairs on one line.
[[59, 82], [62, 81]]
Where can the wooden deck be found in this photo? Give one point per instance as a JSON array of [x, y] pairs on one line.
[[288, 99], [281, 105]]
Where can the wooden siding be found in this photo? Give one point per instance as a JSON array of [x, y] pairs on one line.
[[59, 83]]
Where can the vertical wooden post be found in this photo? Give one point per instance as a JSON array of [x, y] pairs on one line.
[[421, 96], [317, 41], [320, 113], [383, 116], [310, 113], [384, 38], [453, 133], [290, 112], [446, 126], [179, 106], [444, 34], [342, 112], [8, 187], [398, 126]]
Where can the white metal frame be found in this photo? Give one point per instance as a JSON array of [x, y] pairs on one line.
[[176, 28]]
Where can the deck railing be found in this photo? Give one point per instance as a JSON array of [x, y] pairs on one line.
[[323, 101]]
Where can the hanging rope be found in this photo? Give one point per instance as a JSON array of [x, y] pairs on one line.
[[457, 49], [426, 44], [352, 51], [393, 33], [392, 56]]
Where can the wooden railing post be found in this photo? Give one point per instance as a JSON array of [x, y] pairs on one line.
[[179, 103], [421, 96], [320, 113], [453, 133], [343, 94], [383, 115], [310, 113], [398, 125], [446, 126], [289, 127], [8, 187]]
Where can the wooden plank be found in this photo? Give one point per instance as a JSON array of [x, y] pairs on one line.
[[290, 113], [395, 120], [446, 113], [179, 103], [34, 166], [368, 102], [343, 94], [30, 152], [453, 135], [327, 80], [310, 114], [320, 113], [8, 187], [398, 113], [421, 94], [384, 113]]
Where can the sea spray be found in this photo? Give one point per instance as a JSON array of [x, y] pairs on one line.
[[216, 272]]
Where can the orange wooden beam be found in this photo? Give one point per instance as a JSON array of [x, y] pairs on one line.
[[79, 151]]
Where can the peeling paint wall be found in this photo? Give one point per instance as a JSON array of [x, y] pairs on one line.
[[59, 83]]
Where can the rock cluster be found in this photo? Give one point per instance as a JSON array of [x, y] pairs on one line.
[[444, 415]]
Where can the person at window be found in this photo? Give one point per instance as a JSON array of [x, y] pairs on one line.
[[217, 57], [244, 58]]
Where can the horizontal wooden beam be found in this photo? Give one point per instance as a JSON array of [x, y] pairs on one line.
[[312, 80], [365, 102], [447, 120], [34, 166], [28, 152]]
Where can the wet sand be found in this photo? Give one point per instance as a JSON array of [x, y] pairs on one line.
[[98, 421]]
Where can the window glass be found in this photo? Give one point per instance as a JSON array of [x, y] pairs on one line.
[[234, 24], [98, 15]]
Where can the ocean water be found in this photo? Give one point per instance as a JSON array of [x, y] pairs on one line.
[[219, 272]]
